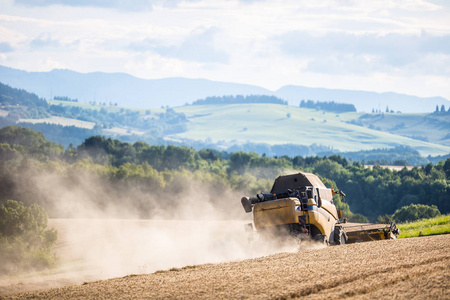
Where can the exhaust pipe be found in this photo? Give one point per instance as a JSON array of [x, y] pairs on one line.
[[247, 203]]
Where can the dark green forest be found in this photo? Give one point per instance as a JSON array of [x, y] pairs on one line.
[[328, 106], [397, 156], [148, 179], [64, 98]]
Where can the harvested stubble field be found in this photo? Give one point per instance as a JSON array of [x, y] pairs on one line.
[[415, 268]]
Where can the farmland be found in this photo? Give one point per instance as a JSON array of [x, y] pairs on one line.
[[262, 123], [61, 121], [405, 268]]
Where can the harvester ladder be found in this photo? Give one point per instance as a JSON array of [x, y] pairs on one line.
[[308, 224], [304, 204]]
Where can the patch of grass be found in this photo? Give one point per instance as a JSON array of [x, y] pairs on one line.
[[434, 226]]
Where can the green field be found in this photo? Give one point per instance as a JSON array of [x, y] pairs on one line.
[[270, 124], [439, 225], [433, 128]]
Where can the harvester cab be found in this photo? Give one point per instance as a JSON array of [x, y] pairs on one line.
[[301, 205]]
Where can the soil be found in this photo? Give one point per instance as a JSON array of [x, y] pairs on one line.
[[413, 268]]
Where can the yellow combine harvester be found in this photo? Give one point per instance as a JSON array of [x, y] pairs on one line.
[[301, 205]]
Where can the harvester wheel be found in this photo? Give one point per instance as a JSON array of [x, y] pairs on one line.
[[321, 238], [340, 236]]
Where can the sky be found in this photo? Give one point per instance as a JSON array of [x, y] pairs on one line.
[[384, 45]]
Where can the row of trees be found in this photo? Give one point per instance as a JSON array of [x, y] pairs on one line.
[[442, 110], [64, 98], [239, 99], [397, 156], [328, 106]]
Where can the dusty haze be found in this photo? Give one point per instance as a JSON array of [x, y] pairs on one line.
[[102, 232], [93, 249]]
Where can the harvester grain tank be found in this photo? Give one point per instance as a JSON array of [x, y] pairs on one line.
[[301, 205]]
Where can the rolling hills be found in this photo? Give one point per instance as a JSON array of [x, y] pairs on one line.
[[243, 126], [280, 124], [273, 129]]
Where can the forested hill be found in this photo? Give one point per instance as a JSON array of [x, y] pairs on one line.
[[106, 171], [20, 103], [61, 122], [12, 96]]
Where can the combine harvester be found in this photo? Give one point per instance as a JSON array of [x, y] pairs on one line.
[[301, 205]]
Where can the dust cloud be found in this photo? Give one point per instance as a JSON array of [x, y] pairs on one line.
[[93, 249], [102, 233]]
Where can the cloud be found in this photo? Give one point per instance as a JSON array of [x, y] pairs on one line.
[[117, 4], [345, 52], [444, 3], [198, 47], [5, 47], [301, 42], [251, 1], [43, 41], [135, 5]]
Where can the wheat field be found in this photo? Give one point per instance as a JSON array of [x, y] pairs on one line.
[[414, 268]]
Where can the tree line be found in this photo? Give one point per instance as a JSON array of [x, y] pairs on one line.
[[240, 99], [441, 110], [65, 98], [328, 106], [164, 170]]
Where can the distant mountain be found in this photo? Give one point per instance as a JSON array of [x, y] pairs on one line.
[[127, 90], [120, 88]]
